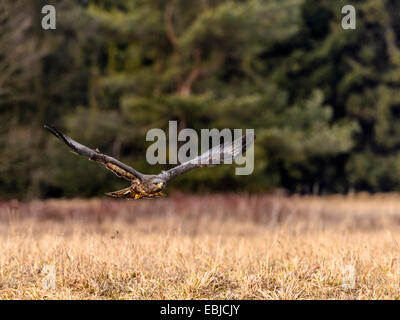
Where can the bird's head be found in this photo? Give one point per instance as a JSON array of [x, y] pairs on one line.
[[156, 184]]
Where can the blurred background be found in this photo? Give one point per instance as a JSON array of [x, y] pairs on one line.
[[324, 102]]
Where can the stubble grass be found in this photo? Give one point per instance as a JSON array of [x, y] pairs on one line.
[[203, 247]]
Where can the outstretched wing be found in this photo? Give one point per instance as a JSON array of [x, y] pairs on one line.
[[223, 153], [119, 168]]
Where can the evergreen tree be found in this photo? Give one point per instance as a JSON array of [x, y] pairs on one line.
[[203, 65]]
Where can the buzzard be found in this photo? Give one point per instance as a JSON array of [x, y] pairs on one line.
[[148, 185]]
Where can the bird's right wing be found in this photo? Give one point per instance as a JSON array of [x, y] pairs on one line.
[[117, 167], [214, 156]]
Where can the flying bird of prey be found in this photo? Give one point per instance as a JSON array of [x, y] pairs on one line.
[[148, 185]]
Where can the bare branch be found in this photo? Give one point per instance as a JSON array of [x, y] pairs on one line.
[[186, 87], [169, 28]]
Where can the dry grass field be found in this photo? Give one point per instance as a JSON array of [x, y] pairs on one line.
[[202, 247]]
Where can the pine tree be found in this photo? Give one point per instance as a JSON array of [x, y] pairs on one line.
[[203, 65]]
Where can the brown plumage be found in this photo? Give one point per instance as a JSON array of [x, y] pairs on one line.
[[150, 186]]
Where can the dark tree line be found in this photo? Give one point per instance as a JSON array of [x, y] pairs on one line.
[[324, 101]]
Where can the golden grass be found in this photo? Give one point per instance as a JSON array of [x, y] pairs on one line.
[[205, 247]]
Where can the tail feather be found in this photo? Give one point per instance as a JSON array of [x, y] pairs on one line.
[[123, 193]]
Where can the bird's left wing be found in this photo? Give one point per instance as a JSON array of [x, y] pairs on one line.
[[117, 167], [214, 156]]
